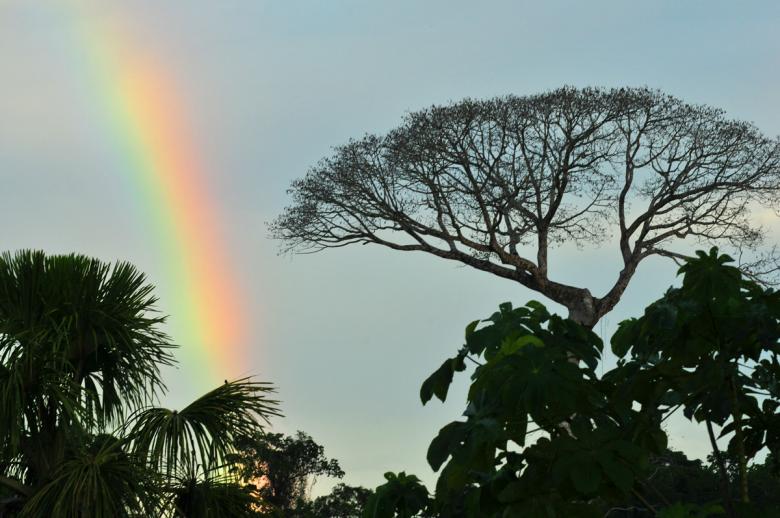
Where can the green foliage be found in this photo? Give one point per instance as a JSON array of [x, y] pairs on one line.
[[711, 347], [696, 341], [402, 496], [80, 353], [708, 347]]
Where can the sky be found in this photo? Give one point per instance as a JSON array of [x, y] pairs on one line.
[[262, 90]]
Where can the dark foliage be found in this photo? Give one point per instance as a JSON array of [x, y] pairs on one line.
[[402, 496], [679, 479], [282, 469], [343, 502], [544, 435], [80, 353]]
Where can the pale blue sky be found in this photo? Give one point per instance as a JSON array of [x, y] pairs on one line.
[[346, 335]]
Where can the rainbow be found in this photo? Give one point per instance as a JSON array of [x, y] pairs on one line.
[[147, 124]]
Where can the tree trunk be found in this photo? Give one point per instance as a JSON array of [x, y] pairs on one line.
[[582, 309], [584, 313]]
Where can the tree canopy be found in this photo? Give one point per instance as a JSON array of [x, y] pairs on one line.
[[495, 184], [282, 469]]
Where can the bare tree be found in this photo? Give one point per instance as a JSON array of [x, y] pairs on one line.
[[495, 184]]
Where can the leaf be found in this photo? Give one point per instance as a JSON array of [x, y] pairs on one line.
[[207, 426], [471, 327], [453, 477], [444, 444], [438, 383], [617, 473], [624, 337], [471, 503], [585, 477], [671, 398], [539, 309], [510, 492], [659, 439], [511, 347], [377, 506], [480, 339]]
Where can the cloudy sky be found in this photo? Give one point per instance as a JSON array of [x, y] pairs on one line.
[[265, 89]]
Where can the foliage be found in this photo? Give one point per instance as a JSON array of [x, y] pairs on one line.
[[282, 468], [679, 510], [679, 479], [495, 184], [711, 347], [100, 479], [764, 483], [168, 438], [596, 442], [402, 496], [343, 502], [80, 353], [212, 495], [693, 349]]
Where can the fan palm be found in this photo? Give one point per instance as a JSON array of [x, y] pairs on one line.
[[80, 357]]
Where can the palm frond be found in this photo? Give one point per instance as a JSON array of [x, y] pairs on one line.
[[215, 493], [32, 398], [81, 352], [99, 481], [92, 322], [204, 431]]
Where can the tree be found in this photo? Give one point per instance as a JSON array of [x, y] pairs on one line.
[[343, 502], [496, 184], [282, 469], [680, 479], [402, 496], [709, 348], [80, 357], [675, 478]]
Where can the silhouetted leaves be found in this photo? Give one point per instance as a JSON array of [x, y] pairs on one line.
[[709, 347], [402, 496], [80, 357]]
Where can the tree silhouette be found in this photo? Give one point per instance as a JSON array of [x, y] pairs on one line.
[[495, 184], [283, 468]]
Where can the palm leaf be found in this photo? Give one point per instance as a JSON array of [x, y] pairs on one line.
[[205, 430], [79, 348], [100, 481], [217, 493], [93, 323]]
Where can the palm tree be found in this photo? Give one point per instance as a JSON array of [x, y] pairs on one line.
[[80, 357]]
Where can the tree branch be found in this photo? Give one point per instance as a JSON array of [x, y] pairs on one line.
[[16, 486]]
